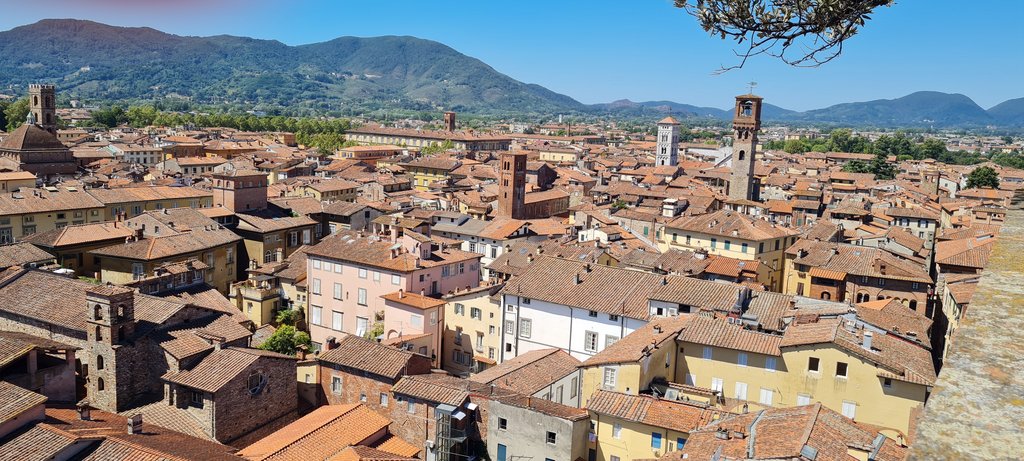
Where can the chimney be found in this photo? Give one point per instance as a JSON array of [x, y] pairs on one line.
[[868, 336], [578, 280], [401, 293], [84, 411], [135, 424]]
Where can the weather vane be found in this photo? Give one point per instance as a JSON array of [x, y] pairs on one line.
[[752, 85]]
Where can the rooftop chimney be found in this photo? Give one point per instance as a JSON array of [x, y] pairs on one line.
[[578, 279], [868, 336], [135, 424], [84, 411]]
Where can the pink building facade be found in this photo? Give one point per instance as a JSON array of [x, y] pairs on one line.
[[347, 276]]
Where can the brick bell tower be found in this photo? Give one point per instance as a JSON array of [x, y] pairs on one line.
[[42, 105], [745, 124], [512, 188]]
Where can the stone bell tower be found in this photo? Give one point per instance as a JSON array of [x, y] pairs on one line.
[[668, 142], [110, 318], [745, 124], [43, 106]]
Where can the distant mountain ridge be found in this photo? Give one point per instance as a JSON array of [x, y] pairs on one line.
[[920, 109], [95, 61], [92, 60]]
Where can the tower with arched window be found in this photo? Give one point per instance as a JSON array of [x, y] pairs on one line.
[[43, 106], [745, 124], [110, 314], [668, 142]]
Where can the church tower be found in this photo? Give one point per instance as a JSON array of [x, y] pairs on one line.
[[668, 142], [512, 188], [110, 330], [745, 124], [43, 106]]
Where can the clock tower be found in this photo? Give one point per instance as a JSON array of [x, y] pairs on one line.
[[745, 124]]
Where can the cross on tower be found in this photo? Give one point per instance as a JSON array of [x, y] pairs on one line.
[[751, 85]]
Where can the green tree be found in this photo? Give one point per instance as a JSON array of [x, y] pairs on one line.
[[881, 167], [141, 116], [843, 140], [286, 340], [856, 166], [16, 113], [983, 177], [800, 33], [932, 148], [110, 117], [795, 146]]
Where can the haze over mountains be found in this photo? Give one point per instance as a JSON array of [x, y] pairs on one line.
[[100, 62]]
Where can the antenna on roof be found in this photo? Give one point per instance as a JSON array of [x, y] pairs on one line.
[[752, 85]]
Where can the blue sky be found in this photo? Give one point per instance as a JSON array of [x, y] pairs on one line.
[[602, 50]]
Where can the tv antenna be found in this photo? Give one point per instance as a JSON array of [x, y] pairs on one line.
[[752, 85]]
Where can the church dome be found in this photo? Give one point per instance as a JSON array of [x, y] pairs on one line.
[[31, 137]]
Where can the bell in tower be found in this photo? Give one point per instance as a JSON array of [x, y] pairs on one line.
[[745, 125]]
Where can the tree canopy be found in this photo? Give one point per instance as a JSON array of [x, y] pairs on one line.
[[983, 176], [286, 340], [804, 33]]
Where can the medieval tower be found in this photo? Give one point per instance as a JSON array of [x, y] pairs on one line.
[[43, 106], [512, 188], [668, 142], [745, 124]]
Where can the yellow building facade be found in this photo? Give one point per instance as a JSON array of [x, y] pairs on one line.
[[472, 330]]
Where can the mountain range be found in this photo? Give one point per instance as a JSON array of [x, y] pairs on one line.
[[93, 61]]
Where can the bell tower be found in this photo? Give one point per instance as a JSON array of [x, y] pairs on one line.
[[110, 317], [745, 124], [512, 188], [43, 106], [668, 142]]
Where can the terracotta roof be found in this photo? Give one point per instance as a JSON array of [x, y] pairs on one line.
[[156, 248], [895, 358], [659, 333], [40, 200], [727, 223], [601, 288], [58, 300], [19, 254], [649, 411], [720, 333], [890, 314], [63, 427], [80, 234], [784, 433], [436, 388], [838, 258], [669, 120], [972, 252], [219, 368], [15, 400], [320, 435], [531, 372], [14, 345], [30, 137], [414, 300], [367, 356], [375, 252]]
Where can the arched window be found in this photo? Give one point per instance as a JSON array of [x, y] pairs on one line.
[[913, 304], [97, 312], [99, 333], [826, 295], [35, 100], [99, 362], [120, 311], [879, 297], [99, 384], [742, 154]]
